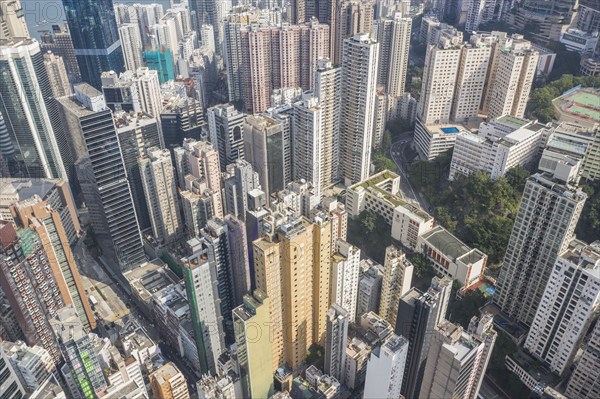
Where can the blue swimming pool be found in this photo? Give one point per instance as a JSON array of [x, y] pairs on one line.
[[449, 130]]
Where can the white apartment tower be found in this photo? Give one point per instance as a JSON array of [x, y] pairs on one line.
[[543, 229], [160, 187], [385, 369], [439, 77], [149, 91], [359, 81], [307, 141], [568, 306], [393, 35], [327, 89], [511, 75], [457, 359], [397, 276], [345, 269], [57, 75], [585, 380], [336, 341], [226, 128], [131, 43]]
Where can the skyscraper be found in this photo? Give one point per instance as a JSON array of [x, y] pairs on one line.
[[226, 127], [131, 42], [266, 147], [393, 35], [336, 341], [39, 216], [510, 76], [201, 282], [29, 110], [30, 285], [102, 176], [543, 228], [344, 277], [250, 323], [567, 306], [457, 360], [328, 90], [262, 57], [397, 276], [136, 133], [197, 164], [240, 179], [12, 19], [95, 38], [57, 75], [585, 380], [59, 42], [359, 79], [283, 266], [238, 253], [418, 315], [181, 118], [306, 141], [385, 368], [349, 18], [78, 352], [160, 186]]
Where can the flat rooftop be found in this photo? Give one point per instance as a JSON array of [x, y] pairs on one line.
[[441, 239], [581, 103], [513, 121]]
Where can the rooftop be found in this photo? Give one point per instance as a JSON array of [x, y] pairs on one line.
[[513, 121], [446, 243]]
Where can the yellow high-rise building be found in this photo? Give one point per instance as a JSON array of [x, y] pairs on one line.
[[322, 249]]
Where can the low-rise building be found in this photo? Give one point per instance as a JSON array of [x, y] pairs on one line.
[[580, 41], [579, 105], [357, 357], [451, 257], [434, 140]]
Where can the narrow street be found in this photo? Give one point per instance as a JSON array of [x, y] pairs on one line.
[[398, 153]]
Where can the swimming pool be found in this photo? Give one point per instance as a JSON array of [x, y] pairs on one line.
[[449, 130]]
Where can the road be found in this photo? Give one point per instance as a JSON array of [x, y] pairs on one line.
[[399, 156]]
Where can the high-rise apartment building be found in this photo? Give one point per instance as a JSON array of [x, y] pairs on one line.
[[102, 176], [335, 341], [160, 186], [33, 364], [345, 269], [393, 35], [543, 228], [328, 90], [349, 18], [418, 315], [12, 19], [168, 383], [325, 239], [29, 110], [46, 222], [78, 352], [510, 76], [267, 148], [181, 118], [585, 380], [57, 75], [385, 368], [131, 42], [359, 80], [239, 180], [30, 285], [97, 45], [59, 42], [202, 286], [133, 90], [457, 360], [369, 288], [262, 57], [226, 127], [137, 132], [397, 276], [283, 267], [251, 322], [11, 384], [238, 253], [478, 12], [567, 307], [197, 163]]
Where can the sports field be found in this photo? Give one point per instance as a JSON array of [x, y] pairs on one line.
[[582, 103]]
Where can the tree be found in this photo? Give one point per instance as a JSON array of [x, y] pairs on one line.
[[383, 162], [368, 221], [465, 308]]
